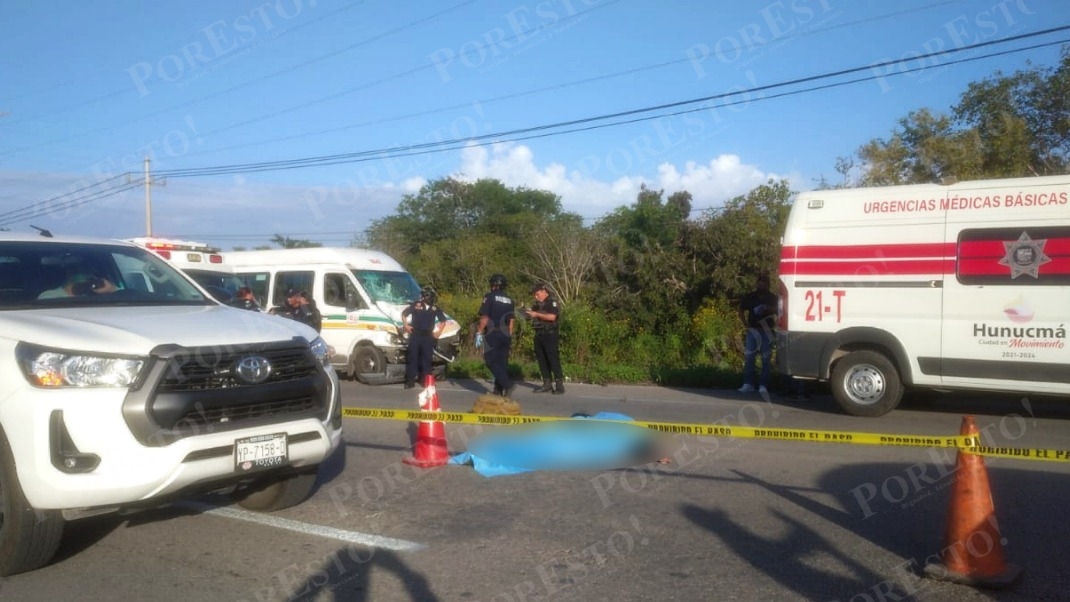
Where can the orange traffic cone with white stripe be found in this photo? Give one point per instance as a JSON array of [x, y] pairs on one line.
[[973, 546], [430, 447]]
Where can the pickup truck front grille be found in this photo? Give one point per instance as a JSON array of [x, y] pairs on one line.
[[216, 371], [189, 391]]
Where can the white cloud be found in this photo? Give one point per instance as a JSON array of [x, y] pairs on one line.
[[244, 210], [710, 184]]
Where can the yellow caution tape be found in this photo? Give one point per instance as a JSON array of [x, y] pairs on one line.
[[968, 443]]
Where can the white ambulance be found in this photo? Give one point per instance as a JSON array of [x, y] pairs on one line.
[[360, 294], [965, 286], [199, 261]]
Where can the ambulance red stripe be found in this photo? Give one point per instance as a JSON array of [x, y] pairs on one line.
[[871, 267], [888, 251]]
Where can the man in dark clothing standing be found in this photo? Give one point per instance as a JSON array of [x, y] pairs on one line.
[[758, 311], [424, 321], [495, 334], [544, 314]]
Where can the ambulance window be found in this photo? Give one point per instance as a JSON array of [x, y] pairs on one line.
[[334, 289], [1014, 256], [284, 281], [258, 283]]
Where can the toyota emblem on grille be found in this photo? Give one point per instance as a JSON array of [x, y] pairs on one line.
[[253, 369]]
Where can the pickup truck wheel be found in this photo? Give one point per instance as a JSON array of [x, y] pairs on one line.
[[277, 494], [28, 537], [368, 363], [866, 383]]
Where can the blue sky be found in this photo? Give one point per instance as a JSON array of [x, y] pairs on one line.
[[87, 92]]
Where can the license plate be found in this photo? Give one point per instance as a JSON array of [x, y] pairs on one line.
[[262, 451]]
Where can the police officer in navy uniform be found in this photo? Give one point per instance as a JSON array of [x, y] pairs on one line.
[[544, 314], [424, 322], [495, 333], [300, 306]]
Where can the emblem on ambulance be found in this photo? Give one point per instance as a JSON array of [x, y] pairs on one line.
[[1025, 256]]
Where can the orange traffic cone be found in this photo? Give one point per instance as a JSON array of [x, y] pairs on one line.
[[430, 447], [973, 546]]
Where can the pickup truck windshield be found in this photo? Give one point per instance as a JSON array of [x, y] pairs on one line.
[[55, 274]]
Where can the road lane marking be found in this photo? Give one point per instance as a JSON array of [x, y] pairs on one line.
[[353, 537]]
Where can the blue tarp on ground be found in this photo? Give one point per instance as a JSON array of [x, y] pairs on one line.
[[583, 443]]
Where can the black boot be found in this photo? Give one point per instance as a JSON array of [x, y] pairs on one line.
[[410, 384], [545, 388], [559, 389]]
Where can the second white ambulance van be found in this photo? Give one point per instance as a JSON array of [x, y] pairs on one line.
[[965, 286], [360, 294]]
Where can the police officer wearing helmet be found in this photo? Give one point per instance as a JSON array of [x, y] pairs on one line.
[[424, 322], [544, 314], [495, 333]]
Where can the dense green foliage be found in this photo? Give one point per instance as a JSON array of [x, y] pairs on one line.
[[648, 293], [1005, 126]]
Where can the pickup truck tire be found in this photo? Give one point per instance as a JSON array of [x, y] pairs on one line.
[[866, 383], [278, 493], [28, 537]]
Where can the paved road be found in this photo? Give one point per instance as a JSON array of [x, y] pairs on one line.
[[724, 519]]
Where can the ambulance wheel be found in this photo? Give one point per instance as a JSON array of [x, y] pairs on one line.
[[866, 383], [368, 363]]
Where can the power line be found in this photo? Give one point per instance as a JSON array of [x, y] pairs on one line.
[[53, 203], [292, 68], [530, 92], [519, 36], [452, 144], [587, 123]]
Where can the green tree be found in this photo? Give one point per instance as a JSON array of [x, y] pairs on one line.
[[450, 209], [646, 276], [454, 234], [1003, 126], [742, 239], [925, 148], [293, 243], [1023, 120]]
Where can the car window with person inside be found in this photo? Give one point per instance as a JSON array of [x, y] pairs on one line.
[[74, 274]]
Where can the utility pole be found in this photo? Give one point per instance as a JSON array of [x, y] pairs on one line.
[[149, 181]]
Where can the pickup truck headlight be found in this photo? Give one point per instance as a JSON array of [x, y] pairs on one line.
[[50, 368], [322, 351]]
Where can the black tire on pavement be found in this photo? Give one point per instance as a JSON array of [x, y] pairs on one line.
[[278, 493], [368, 363], [29, 537], [866, 383]]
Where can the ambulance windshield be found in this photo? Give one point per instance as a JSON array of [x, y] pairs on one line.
[[395, 288]]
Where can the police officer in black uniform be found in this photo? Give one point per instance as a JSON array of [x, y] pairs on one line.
[[495, 333], [424, 322], [544, 314]]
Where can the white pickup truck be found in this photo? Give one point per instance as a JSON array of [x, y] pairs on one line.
[[116, 396]]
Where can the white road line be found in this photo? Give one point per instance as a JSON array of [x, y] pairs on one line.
[[354, 537]]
